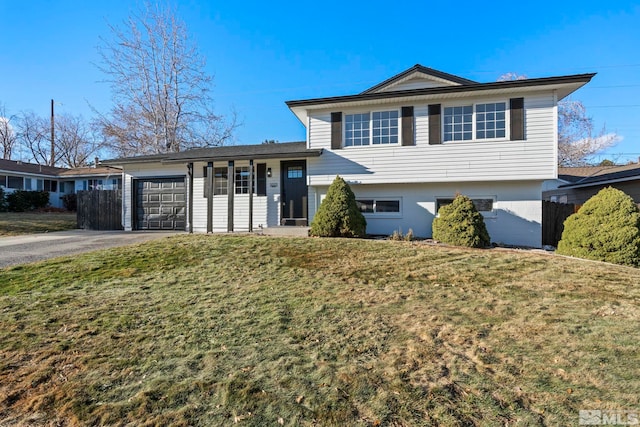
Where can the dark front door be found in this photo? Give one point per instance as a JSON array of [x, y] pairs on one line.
[[294, 192]]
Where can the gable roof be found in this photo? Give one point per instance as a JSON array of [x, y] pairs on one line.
[[282, 150], [598, 175], [30, 168], [445, 79], [563, 85]]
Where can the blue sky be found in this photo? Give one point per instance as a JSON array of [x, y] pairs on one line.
[[262, 54]]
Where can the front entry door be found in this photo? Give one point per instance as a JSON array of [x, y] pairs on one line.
[[294, 192]]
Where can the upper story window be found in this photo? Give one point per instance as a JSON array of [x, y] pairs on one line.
[[377, 127], [356, 129], [490, 120], [486, 121]]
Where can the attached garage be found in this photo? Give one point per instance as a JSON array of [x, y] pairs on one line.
[[160, 203]]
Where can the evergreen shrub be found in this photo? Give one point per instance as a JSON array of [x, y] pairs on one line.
[[606, 228], [3, 201], [70, 202], [22, 200], [460, 224], [338, 214]]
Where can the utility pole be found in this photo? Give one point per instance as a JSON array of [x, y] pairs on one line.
[[53, 161]]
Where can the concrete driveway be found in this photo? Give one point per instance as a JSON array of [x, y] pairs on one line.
[[37, 247]]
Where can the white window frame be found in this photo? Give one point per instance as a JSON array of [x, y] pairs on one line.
[[377, 199], [370, 143], [474, 106], [493, 213]]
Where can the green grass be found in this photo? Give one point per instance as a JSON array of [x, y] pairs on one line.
[[15, 223], [218, 330]]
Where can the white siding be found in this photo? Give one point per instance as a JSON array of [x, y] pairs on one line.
[[266, 209], [516, 219], [147, 170], [532, 159]]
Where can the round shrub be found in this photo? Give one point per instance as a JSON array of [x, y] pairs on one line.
[[460, 224], [338, 214], [606, 228]]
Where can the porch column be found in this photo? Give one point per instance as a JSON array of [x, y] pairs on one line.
[[209, 197], [250, 195], [190, 203], [230, 192]]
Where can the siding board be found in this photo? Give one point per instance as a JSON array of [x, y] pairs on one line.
[[533, 158]]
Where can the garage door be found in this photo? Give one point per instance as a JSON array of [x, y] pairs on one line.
[[161, 204]]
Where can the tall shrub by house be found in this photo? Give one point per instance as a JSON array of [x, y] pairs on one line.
[[23, 200], [606, 228], [338, 215], [460, 224]]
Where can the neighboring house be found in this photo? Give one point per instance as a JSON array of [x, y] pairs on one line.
[[92, 178], [579, 184], [406, 146], [18, 175]]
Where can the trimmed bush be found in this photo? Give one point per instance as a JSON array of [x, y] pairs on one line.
[[606, 228], [338, 215], [70, 202], [461, 224], [21, 200], [3, 201]]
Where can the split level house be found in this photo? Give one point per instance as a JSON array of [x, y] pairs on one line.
[[18, 175], [406, 146]]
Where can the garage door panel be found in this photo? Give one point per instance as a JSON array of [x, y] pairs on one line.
[[161, 204]]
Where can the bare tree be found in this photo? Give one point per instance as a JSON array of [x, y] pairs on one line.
[[577, 141], [75, 142], [34, 136], [8, 137], [161, 93]]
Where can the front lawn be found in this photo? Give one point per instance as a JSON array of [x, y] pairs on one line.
[[15, 223], [220, 330]]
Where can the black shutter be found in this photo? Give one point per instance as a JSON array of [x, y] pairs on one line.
[[336, 131], [261, 179], [435, 127], [516, 106], [407, 126], [206, 181]]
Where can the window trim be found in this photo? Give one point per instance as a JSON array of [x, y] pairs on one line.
[[375, 200], [493, 213], [398, 111], [474, 139]]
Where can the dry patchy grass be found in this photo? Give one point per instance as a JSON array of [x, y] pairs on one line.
[[15, 223], [218, 330]]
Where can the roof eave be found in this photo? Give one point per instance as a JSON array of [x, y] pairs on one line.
[[292, 155], [565, 86]]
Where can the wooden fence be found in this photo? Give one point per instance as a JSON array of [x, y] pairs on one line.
[[553, 217], [100, 210]]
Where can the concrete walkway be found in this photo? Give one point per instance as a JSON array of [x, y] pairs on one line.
[[28, 248]]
